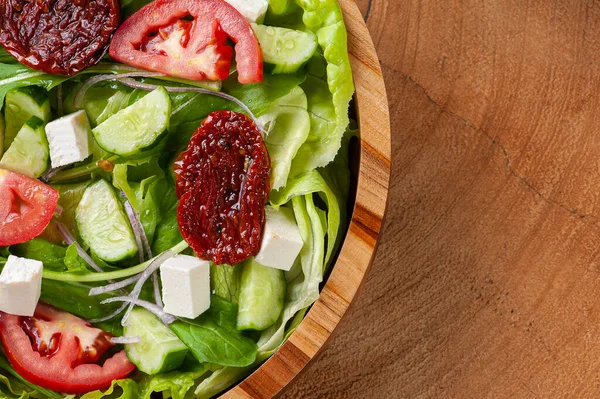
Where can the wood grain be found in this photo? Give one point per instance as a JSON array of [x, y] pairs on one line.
[[487, 280], [358, 248]]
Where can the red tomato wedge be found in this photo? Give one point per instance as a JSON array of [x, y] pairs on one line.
[[58, 351], [161, 37], [26, 207]]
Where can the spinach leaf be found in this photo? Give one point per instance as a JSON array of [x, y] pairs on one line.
[[51, 255], [167, 233], [74, 298], [13, 76], [212, 338]]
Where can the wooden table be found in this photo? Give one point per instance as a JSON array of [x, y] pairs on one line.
[[487, 279]]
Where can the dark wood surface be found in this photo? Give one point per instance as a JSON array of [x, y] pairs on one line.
[[487, 278]]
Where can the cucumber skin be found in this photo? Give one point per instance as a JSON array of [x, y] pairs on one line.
[[38, 98], [259, 308], [171, 359], [84, 234], [39, 95], [13, 160], [278, 63], [98, 133]]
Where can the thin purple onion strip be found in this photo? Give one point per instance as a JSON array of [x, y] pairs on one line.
[[68, 237], [157, 310], [144, 276], [80, 96], [114, 286], [137, 228], [157, 295], [110, 316]]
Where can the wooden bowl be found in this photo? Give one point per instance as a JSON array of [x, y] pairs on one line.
[[359, 246]]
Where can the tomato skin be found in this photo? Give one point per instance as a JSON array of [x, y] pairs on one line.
[[26, 207], [65, 370], [212, 19]]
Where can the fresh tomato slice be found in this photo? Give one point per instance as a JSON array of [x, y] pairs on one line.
[[58, 351], [161, 37], [26, 207]]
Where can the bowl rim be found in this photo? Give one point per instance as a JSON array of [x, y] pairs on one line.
[[360, 244]]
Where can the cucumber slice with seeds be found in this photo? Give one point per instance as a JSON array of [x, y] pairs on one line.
[[261, 298], [29, 152], [21, 105], [103, 225], [159, 349], [137, 127], [284, 50]]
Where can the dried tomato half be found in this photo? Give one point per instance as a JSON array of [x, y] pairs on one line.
[[222, 181], [58, 36]]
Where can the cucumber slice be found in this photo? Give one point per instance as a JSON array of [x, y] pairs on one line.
[[29, 152], [22, 104], [103, 225], [284, 50], [159, 349], [261, 298], [137, 127]]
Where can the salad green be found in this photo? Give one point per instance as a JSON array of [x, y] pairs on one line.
[[119, 205]]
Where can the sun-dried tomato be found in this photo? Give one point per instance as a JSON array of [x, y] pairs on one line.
[[58, 36], [222, 181]]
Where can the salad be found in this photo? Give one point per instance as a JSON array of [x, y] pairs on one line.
[[173, 187]]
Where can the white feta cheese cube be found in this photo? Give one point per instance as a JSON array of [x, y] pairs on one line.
[[252, 10], [69, 139], [281, 242], [20, 286], [185, 286]]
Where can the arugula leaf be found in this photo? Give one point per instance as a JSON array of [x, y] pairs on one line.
[[212, 337], [288, 124]]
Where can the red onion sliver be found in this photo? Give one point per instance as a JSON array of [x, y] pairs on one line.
[[135, 223], [145, 86], [114, 286], [110, 316], [68, 237], [157, 310], [144, 276], [157, 294], [58, 210], [125, 340], [79, 97]]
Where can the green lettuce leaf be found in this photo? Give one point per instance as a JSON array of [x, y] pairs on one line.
[[307, 183], [125, 389], [288, 124], [328, 106], [12, 385]]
